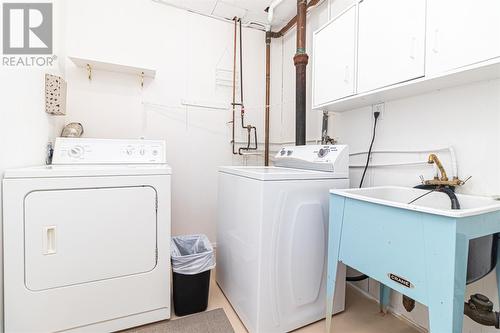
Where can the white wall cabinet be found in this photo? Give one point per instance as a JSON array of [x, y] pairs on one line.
[[391, 42], [403, 48], [461, 33], [334, 59]]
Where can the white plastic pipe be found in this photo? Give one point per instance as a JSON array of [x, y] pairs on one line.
[[450, 149], [390, 164], [401, 151], [454, 164], [270, 11]]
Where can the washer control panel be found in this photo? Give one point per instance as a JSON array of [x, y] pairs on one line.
[[108, 151], [332, 158]]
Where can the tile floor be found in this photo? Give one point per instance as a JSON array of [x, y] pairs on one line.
[[361, 316]]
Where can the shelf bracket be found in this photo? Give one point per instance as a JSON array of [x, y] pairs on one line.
[[89, 72]]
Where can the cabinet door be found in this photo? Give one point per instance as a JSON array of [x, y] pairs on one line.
[[391, 42], [334, 56], [461, 33]]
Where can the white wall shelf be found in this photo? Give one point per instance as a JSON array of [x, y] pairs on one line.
[[113, 67], [487, 70]]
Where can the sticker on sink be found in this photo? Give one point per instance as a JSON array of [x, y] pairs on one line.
[[400, 280]]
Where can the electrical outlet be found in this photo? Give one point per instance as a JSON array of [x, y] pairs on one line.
[[380, 107]]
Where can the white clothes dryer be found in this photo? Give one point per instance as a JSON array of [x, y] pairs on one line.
[[87, 239]]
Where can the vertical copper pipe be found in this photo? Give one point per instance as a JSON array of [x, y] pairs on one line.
[[233, 141], [300, 60], [268, 96], [301, 25]]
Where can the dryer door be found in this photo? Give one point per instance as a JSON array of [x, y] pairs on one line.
[[77, 236]]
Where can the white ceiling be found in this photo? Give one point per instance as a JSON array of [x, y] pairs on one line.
[[250, 11]]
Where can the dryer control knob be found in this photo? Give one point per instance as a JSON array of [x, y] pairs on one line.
[[75, 152]]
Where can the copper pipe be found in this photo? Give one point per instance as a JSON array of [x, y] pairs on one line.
[[301, 25], [268, 97], [292, 22], [248, 128], [234, 85], [300, 60]]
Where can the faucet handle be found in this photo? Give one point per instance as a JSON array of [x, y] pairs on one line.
[[466, 180]]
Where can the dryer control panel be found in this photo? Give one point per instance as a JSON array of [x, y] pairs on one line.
[[331, 158], [108, 151]]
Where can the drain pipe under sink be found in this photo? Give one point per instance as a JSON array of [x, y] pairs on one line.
[[480, 309]]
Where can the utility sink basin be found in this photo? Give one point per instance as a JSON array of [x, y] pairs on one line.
[[411, 241], [434, 203]]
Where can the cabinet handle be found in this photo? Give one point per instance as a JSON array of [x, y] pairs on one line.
[[413, 48], [436, 41], [346, 74]]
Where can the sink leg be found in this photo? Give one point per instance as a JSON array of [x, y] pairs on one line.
[[497, 268], [447, 279], [385, 296]]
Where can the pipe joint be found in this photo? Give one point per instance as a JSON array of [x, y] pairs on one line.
[[268, 37], [301, 59]]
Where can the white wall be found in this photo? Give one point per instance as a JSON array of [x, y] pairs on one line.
[[186, 50], [25, 128]]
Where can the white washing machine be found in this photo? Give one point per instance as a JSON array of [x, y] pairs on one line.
[[86, 240], [272, 237]]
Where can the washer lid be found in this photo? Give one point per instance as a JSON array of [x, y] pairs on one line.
[[50, 171], [278, 173]]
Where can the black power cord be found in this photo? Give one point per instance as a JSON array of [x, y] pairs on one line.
[[375, 115]]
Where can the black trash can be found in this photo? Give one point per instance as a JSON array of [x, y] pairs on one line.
[[192, 259]]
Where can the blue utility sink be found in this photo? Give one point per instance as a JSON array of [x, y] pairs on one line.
[[419, 249]]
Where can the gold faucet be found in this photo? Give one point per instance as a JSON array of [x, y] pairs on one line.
[[434, 159], [443, 181]]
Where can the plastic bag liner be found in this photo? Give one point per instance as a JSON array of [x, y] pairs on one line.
[[191, 254]]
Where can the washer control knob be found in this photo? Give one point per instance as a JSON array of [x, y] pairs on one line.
[[155, 152], [282, 152], [323, 152], [142, 151], [289, 152]]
